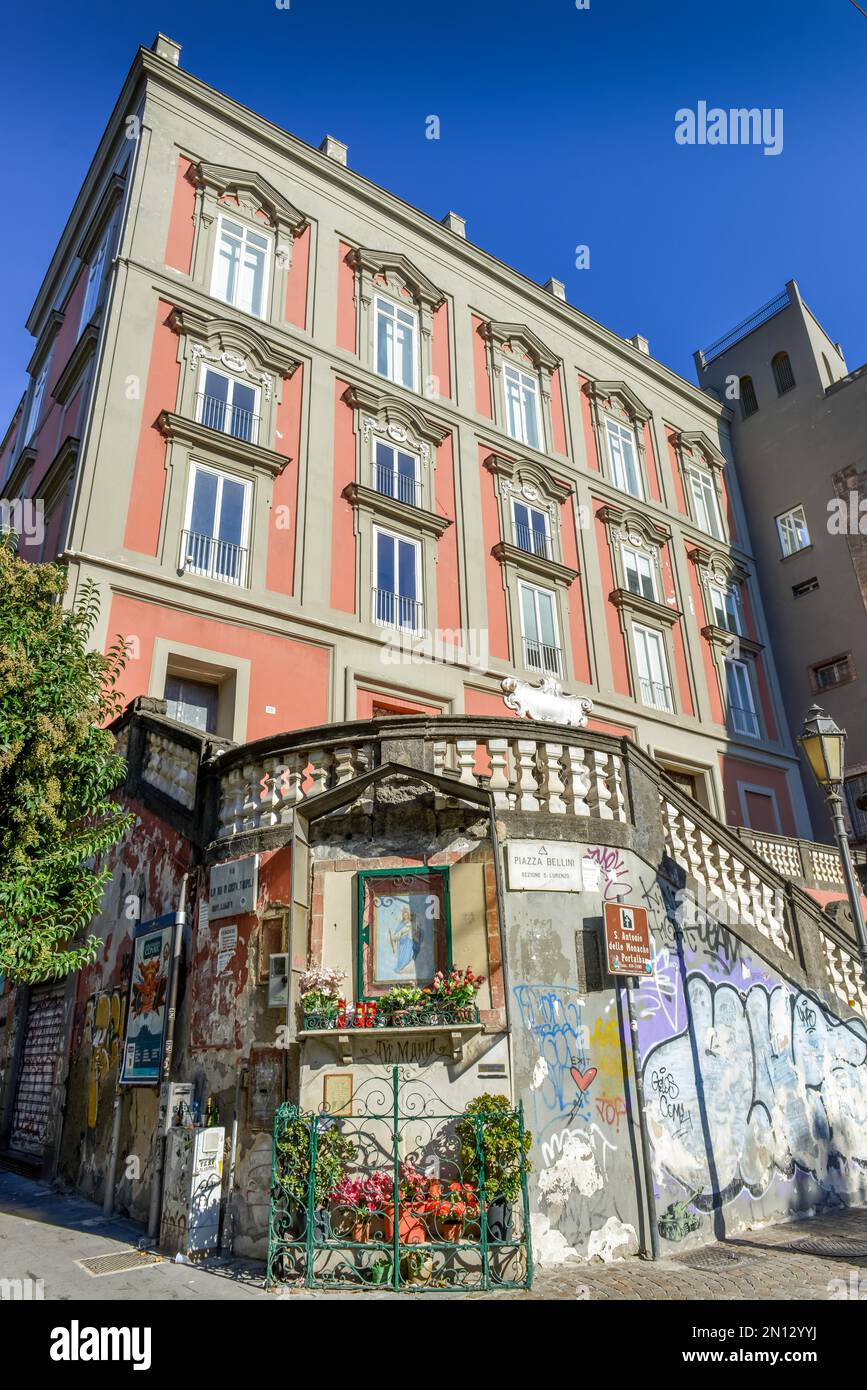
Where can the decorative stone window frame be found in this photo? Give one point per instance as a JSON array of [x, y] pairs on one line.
[[525, 480], [717, 568], [393, 275], [514, 344], [627, 526], [229, 674], [396, 421], [246, 197], [54, 488], [695, 449], [237, 350], [103, 224], [619, 401]]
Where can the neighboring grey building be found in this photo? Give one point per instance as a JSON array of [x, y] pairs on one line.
[[799, 435]]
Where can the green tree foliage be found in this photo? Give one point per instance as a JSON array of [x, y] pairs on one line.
[[58, 768]]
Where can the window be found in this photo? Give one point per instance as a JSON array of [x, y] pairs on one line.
[[531, 529], [539, 630], [215, 533], [726, 606], [792, 530], [395, 473], [240, 274], [705, 503], [638, 573], [742, 709], [623, 458], [783, 374], [749, 404], [855, 790], [397, 582], [94, 283], [396, 337], [228, 405], [522, 406], [807, 586], [192, 702], [830, 673], [35, 404], [652, 668], [686, 781]]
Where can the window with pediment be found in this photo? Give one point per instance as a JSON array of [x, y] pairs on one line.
[[701, 465], [722, 581], [245, 229], [619, 418], [520, 368], [396, 304]]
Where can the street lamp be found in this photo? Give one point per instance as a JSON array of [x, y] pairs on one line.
[[822, 743]]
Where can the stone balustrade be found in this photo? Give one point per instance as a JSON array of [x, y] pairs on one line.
[[171, 767]]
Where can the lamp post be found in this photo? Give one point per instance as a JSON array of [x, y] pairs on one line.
[[822, 743]]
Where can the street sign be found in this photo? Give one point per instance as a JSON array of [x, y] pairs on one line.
[[553, 866], [233, 887], [627, 940]]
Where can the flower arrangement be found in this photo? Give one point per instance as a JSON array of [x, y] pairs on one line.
[[457, 989], [454, 1203], [403, 998], [320, 989], [362, 1197]]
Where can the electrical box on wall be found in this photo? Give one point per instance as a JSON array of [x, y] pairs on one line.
[[176, 1104], [192, 1191], [278, 980]]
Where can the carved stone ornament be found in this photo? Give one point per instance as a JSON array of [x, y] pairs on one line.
[[545, 702]]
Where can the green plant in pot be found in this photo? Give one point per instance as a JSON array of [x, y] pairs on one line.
[[320, 987], [333, 1153], [402, 1005], [489, 1131]]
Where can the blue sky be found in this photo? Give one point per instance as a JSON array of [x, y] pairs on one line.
[[557, 129]]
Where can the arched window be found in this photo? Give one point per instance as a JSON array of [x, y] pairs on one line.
[[783, 374], [749, 404]]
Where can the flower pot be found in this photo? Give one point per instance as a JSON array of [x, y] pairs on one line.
[[412, 1228], [380, 1273], [321, 1224], [448, 1230], [416, 1268], [499, 1220]]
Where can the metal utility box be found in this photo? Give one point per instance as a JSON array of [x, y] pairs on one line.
[[192, 1188]]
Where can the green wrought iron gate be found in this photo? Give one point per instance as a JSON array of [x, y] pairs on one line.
[[398, 1191]]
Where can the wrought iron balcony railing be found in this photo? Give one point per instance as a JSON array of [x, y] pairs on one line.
[[394, 610], [392, 484], [656, 694], [744, 721], [539, 656], [429, 1015], [534, 542], [229, 419], [215, 558]]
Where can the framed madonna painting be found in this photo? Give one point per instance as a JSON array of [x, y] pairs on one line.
[[404, 928]]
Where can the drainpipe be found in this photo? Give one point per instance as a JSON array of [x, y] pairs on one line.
[[108, 1198], [649, 1194], [501, 915], [159, 1139], [228, 1240]]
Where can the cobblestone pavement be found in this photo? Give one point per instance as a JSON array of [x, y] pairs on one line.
[[44, 1235]]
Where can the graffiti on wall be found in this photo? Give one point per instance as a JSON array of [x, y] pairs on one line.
[[761, 1081], [613, 873], [103, 1029]]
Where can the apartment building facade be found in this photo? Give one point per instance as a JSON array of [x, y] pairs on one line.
[[327, 459], [799, 430]]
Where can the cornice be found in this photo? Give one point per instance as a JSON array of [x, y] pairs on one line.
[[76, 362], [630, 518], [723, 637], [645, 607], [18, 476], [604, 390], [380, 262], [46, 338], [503, 467], [395, 410], [102, 212], [697, 439], [718, 564], [224, 178], [193, 321], [499, 332], [198, 436], [538, 565], [379, 503]]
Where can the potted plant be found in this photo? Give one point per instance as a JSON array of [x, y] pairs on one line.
[[451, 1207], [320, 991], [412, 1195], [333, 1152], [360, 1200], [455, 992], [489, 1131], [416, 1267], [402, 1005]]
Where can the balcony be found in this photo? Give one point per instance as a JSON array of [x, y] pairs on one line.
[[532, 542], [744, 721], [394, 610], [213, 558], [656, 695], [390, 484], [219, 415], [539, 656]]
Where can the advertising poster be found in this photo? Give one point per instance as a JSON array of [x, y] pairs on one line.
[[148, 1002]]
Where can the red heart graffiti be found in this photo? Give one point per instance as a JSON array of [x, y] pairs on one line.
[[583, 1079]]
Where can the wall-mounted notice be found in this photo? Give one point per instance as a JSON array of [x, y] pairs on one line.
[[551, 865], [233, 887]]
